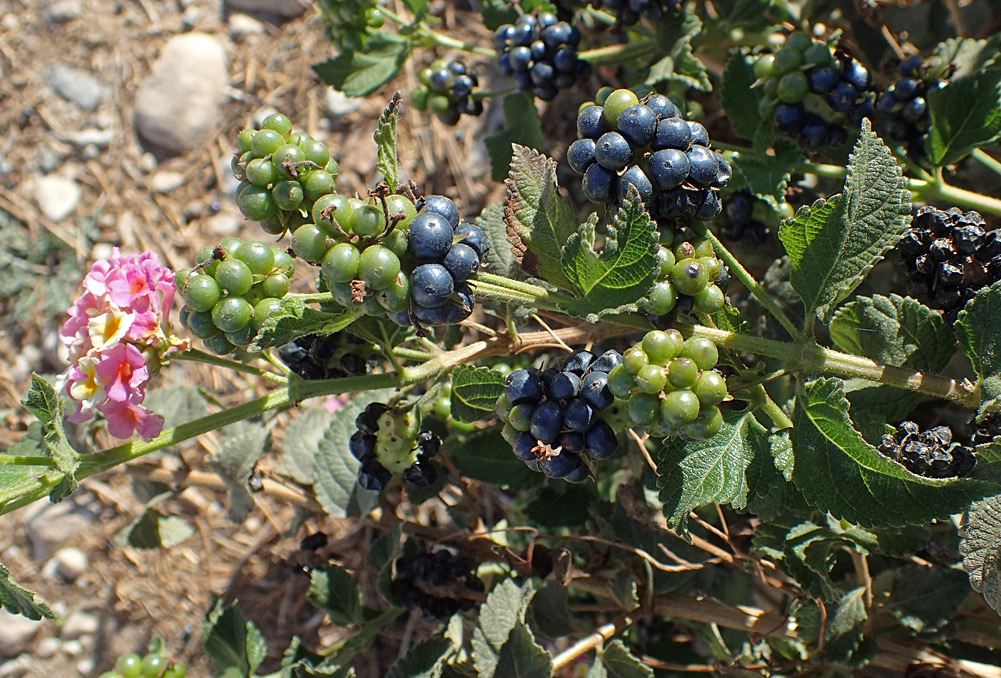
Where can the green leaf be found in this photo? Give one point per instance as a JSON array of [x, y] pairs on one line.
[[767, 176], [235, 646], [894, 330], [301, 443], [618, 662], [295, 318], [18, 600], [522, 127], [487, 457], [496, 13], [713, 471], [500, 259], [241, 446], [475, 391], [925, 599], [841, 473], [965, 114], [385, 141], [969, 56], [981, 549], [978, 328], [565, 507], [384, 548], [739, 99], [752, 14], [550, 611], [417, 7], [539, 220], [358, 74], [336, 471], [335, 591], [177, 404], [833, 244], [845, 626], [14, 475], [679, 63], [613, 280], [43, 402], [504, 609], [522, 657], [426, 659], [152, 529]]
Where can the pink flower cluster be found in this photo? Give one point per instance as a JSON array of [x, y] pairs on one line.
[[117, 332]]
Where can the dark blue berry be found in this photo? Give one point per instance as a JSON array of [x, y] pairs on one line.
[[599, 442], [578, 473], [577, 362], [910, 65], [613, 152], [703, 166], [662, 106], [430, 237], [361, 445], [594, 390], [724, 173], [599, 183], [591, 123], [431, 285], [636, 177], [523, 386], [700, 135], [578, 416], [442, 206], [463, 86], [915, 110], [822, 79], [555, 35], [520, 59], [580, 155], [789, 117], [564, 386], [565, 61], [559, 465], [842, 96], [523, 446], [547, 419], [459, 311], [607, 361], [669, 168], [637, 124], [813, 134], [431, 316], [856, 74], [462, 261], [708, 206], [570, 442], [475, 238], [673, 133]]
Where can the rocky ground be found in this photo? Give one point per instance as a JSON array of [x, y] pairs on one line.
[[119, 118]]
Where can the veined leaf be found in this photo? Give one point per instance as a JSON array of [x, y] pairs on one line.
[[925, 599], [834, 243], [335, 591], [500, 259], [43, 402], [18, 600], [504, 609], [295, 318], [739, 99], [357, 74], [965, 114], [475, 391], [839, 472], [539, 220], [979, 331], [679, 63], [521, 127], [385, 141], [241, 446], [845, 626], [981, 549], [522, 657], [425, 659], [616, 661], [713, 471], [235, 646], [768, 178], [497, 12], [613, 280], [969, 56]]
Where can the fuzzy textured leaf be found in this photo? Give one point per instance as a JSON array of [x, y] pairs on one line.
[[969, 56], [357, 74], [18, 600], [425, 659], [833, 244], [839, 472], [385, 141], [965, 114], [713, 471], [613, 280], [500, 260], [235, 646], [475, 391], [521, 127], [616, 661], [301, 442], [334, 590], [539, 220], [739, 99], [43, 402], [925, 599], [295, 318], [679, 63], [979, 331], [845, 626], [241, 446], [504, 609], [522, 657], [981, 549]]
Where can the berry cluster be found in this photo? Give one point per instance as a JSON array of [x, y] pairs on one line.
[[949, 257], [987, 430], [540, 53], [446, 254], [813, 91], [689, 276], [931, 454], [628, 12], [902, 109], [552, 417], [233, 289], [739, 219], [325, 357], [623, 142], [281, 174], [387, 442], [151, 666], [447, 90], [671, 385], [434, 582]]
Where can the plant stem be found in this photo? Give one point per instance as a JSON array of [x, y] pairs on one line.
[[311, 298], [752, 285], [986, 160], [194, 355], [615, 54], [604, 633], [14, 460]]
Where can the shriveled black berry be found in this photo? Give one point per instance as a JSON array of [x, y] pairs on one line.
[[930, 453]]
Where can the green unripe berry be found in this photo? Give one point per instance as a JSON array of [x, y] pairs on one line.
[[257, 256], [634, 359], [818, 54], [234, 276], [242, 337], [400, 204], [275, 285], [643, 408], [219, 344], [682, 372], [679, 408], [396, 241], [266, 142], [316, 184], [129, 665], [793, 87], [661, 299], [244, 140], [309, 243], [287, 195], [286, 159], [665, 262], [232, 314], [277, 122], [618, 101], [315, 151], [201, 292], [710, 388], [601, 96], [709, 300], [662, 346], [396, 297], [651, 378], [689, 277], [520, 417], [620, 381], [763, 66], [378, 267], [798, 41], [255, 203], [702, 351], [713, 267], [368, 220], [263, 310], [340, 265], [786, 61], [261, 173], [200, 324], [229, 246], [708, 424]]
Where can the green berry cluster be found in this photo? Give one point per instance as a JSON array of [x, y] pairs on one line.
[[670, 386], [282, 173], [233, 289], [689, 277], [153, 665]]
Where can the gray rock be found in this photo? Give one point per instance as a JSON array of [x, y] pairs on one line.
[[91, 136], [56, 196], [76, 85], [241, 26], [85, 666], [16, 668], [73, 648], [51, 525], [47, 647], [71, 562], [280, 8], [337, 103], [16, 633], [224, 223], [61, 11], [80, 624], [166, 181], [177, 105]]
